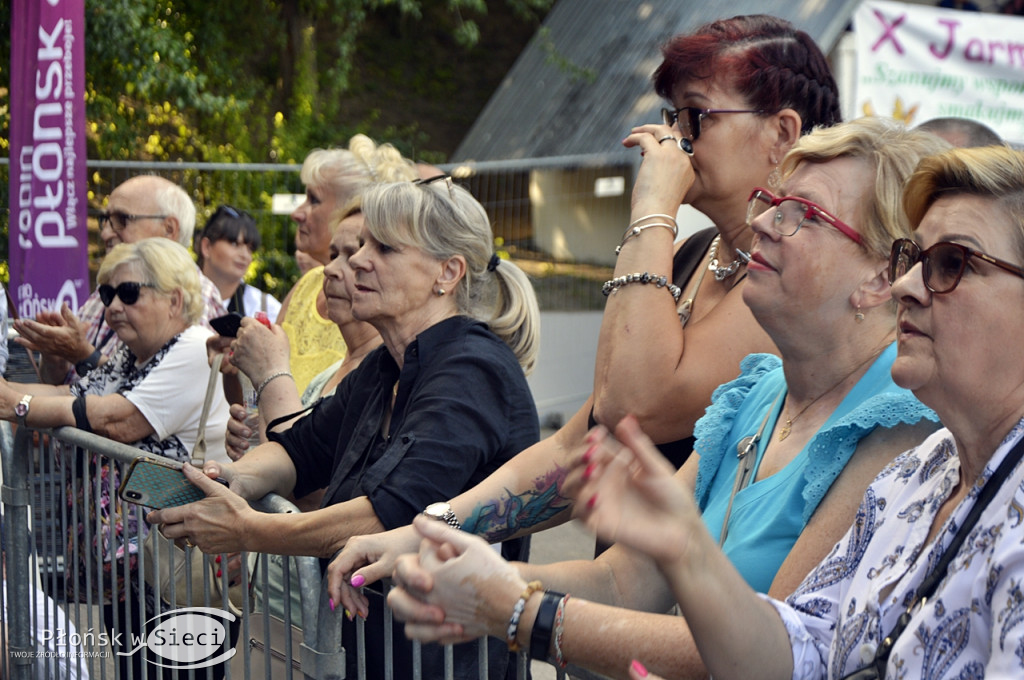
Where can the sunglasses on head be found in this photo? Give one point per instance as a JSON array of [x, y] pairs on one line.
[[689, 118], [446, 178], [127, 291], [942, 265]]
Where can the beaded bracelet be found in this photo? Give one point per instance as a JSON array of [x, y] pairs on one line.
[[658, 280], [517, 612], [267, 381], [635, 231], [559, 629]]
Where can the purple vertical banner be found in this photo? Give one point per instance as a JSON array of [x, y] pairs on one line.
[[48, 234]]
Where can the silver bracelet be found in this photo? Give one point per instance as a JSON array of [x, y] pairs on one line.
[[267, 381], [651, 216], [635, 231], [658, 280]]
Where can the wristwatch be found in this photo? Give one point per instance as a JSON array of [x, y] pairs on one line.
[[21, 408], [443, 512], [88, 363]]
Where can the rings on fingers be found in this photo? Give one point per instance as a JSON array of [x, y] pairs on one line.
[[667, 137], [189, 543]]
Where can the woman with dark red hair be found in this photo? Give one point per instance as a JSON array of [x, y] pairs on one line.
[[741, 93]]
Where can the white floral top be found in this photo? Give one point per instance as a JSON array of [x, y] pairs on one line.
[[972, 627]]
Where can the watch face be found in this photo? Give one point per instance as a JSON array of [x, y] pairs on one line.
[[437, 510], [21, 409]]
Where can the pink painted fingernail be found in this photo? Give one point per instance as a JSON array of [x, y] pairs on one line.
[[639, 668], [592, 502], [590, 453], [589, 471], [357, 581], [330, 601]]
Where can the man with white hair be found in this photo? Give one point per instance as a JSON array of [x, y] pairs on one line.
[[141, 207]]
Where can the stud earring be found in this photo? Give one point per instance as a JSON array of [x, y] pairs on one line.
[[440, 292]]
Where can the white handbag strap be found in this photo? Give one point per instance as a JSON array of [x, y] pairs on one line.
[[199, 451]]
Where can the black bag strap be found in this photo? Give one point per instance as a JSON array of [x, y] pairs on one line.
[[932, 579]]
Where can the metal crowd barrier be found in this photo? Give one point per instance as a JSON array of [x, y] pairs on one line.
[[56, 623]]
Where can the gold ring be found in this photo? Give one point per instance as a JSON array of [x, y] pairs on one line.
[[189, 543]]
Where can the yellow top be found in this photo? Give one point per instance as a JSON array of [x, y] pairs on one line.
[[316, 342]]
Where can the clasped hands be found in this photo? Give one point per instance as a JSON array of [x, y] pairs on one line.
[[457, 588]]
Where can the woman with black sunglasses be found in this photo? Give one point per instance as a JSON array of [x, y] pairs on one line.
[[144, 395], [927, 582]]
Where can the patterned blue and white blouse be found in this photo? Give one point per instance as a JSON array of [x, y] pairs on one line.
[[973, 627]]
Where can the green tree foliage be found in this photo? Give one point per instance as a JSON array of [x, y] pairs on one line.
[[268, 80]]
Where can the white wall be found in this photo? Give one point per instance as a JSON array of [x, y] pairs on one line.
[[564, 375]]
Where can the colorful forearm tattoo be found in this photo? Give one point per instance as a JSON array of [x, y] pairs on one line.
[[503, 517]]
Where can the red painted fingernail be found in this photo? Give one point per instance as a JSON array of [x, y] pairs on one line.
[[218, 573], [590, 453], [357, 581], [217, 560], [330, 601], [592, 502], [639, 668], [589, 471]]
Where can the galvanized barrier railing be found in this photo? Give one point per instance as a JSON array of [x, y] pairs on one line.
[[54, 615]]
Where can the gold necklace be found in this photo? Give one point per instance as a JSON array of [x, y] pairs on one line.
[[788, 427]]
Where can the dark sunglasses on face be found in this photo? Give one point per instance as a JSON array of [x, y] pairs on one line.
[[791, 212], [942, 265], [689, 118], [128, 291], [119, 220]]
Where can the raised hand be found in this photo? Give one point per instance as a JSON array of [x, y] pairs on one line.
[[628, 493], [57, 334]]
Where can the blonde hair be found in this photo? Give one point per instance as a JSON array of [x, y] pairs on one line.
[[444, 220], [163, 263], [346, 172], [891, 150], [994, 172]]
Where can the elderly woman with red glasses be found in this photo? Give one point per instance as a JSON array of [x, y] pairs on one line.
[[927, 581], [812, 430]]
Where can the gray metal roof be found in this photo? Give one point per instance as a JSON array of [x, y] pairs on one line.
[[585, 78]]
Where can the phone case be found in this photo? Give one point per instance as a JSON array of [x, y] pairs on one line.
[[158, 484], [227, 325]]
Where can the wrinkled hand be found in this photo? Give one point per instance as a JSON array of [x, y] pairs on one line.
[[629, 494], [456, 588], [214, 524], [365, 560], [219, 344], [58, 334], [665, 175], [259, 351], [236, 439]]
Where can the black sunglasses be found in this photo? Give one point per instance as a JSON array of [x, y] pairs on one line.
[[446, 178], [127, 291], [119, 220], [942, 265], [689, 124]]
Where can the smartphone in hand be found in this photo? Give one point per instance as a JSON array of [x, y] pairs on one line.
[[159, 484]]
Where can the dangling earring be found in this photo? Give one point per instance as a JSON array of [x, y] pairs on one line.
[[775, 177], [859, 316]]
